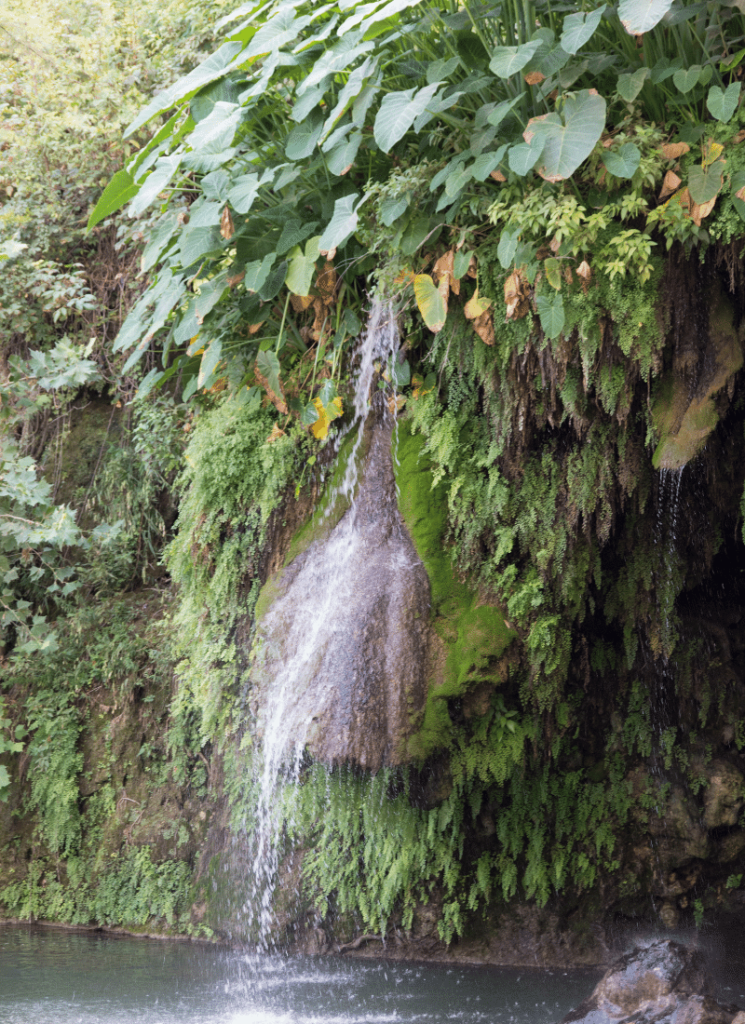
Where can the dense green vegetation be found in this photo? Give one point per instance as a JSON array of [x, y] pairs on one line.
[[545, 194]]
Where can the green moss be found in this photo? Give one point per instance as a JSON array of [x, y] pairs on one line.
[[474, 634]]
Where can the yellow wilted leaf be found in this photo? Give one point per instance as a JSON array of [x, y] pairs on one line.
[[699, 211], [275, 434], [443, 272], [476, 307], [432, 305], [553, 273], [396, 404], [534, 78], [712, 152], [320, 428], [419, 386]]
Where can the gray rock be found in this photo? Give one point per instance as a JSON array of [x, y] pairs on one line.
[[664, 983]]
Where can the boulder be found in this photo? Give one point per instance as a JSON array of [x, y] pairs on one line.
[[663, 983]]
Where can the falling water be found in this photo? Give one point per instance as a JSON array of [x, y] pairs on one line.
[[297, 631]]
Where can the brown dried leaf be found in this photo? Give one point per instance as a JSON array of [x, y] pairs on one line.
[[584, 270], [555, 244], [670, 183], [534, 78], [320, 319], [472, 272], [277, 401], [396, 404], [328, 253], [275, 434], [253, 328], [236, 279], [699, 212], [484, 327], [326, 283], [497, 175], [674, 150], [227, 230], [301, 302], [740, 194], [516, 296], [443, 270], [740, 136]]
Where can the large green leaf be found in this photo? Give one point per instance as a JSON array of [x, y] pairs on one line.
[[341, 158], [277, 32], [686, 79], [639, 16], [269, 368], [210, 359], [579, 28], [507, 247], [723, 103], [223, 90], [302, 267], [243, 193], [508, 60], [397, 113], [342, 224], [392, 209], [257, 273], [388, 10], [335, 60], [623, 162], [704, 183], [216, 65], [500, 111], [551, 313], [155, 182], [524, 157], [119, 191], [349, 92], [304, 137], [629, 86], [482, 167], [567, 142]]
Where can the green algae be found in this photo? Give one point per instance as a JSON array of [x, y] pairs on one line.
[[472, 632]]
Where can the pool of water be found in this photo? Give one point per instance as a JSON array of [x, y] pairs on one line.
[[51, 976]]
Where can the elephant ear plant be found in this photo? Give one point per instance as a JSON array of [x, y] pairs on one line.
[[319, 142]]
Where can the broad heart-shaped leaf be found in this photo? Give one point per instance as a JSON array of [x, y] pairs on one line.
[[704, 183], [566, 145], [686, 79], [268, 366], [431, 304], [461, 263], [397, 113], [343, 223], [639, 16], [302, 267], [551, 312], [579, 28], [629, 86], [722, 104], [508, 60], [216, 65], [623, 162], [155, 182], [119, 191], [303, 139]]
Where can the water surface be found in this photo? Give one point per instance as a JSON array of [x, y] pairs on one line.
[[51, 976]]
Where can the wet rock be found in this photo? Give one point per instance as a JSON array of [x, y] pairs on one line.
[[723, 797], [664, 983], [344, 646], [731, 846], [679, 837]]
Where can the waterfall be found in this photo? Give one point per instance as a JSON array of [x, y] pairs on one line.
[[342, 623]]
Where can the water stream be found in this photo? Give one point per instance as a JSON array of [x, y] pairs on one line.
[[332, 635]]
